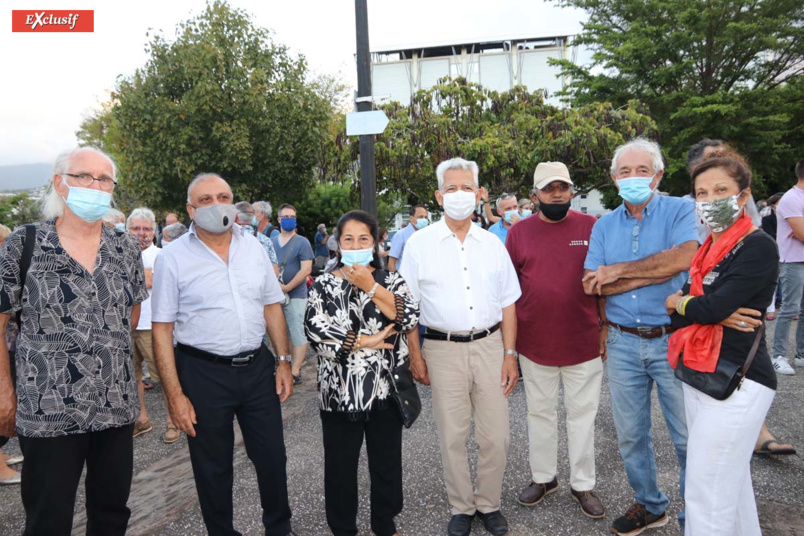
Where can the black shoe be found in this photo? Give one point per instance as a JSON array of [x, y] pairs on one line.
[[297, 379], [494, 522], [460, 525], [636, 520]]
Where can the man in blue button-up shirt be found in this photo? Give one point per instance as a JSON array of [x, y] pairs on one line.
[[638, 255]]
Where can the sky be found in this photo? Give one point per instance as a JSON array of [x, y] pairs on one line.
[[54, 80]]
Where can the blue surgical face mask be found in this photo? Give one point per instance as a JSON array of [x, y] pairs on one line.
[[510, 214], [88, 204], [288, 223], [421, 223], [635, 190], [120, 227], [350, 257], [254, 222], [526, 213]]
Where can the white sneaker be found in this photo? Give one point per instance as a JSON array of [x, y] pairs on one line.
[[800, 362], [782, 366]]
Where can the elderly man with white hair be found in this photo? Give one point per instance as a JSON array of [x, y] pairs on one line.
[[141, 223], [638, 255], [76, 398], [467, 288]]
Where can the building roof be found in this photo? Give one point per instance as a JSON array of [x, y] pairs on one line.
[[390, 49]]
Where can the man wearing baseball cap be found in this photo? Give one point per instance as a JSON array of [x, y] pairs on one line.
[[548, 252]]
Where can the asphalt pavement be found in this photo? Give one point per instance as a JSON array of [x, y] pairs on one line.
[[164, 502]]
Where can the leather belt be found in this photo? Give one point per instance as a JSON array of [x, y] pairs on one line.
[[243, 359], [646, 332], [457, 337]]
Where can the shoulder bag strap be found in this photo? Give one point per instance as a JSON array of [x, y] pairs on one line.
[[25, 262], [754, 348], [285, 255]]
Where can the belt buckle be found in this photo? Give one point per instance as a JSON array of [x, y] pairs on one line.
[[241, 361], [644, 329]]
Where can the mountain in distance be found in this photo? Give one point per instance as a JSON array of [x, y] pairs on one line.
[[24, 176]]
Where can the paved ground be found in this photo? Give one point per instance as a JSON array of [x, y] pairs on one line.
[[164, 502]]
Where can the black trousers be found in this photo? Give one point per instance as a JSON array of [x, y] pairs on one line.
[[218, 393], [50, 475], [343, 439]]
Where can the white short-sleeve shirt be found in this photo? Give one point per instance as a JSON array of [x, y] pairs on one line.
[[460, 286]]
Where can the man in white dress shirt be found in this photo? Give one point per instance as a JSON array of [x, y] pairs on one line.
[[466, 286], [208, 294]]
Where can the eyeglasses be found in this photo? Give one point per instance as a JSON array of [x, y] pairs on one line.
[[141, 229], [85, 180], [553, 186], [635, 238]]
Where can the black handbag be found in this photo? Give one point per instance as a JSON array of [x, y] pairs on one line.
[[726, 378], [405, 394]]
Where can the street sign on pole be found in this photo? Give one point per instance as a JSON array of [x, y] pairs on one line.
[[366, 123]]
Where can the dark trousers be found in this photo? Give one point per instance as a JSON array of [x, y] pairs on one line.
[[218, 393], [343, 439], [50, 475]]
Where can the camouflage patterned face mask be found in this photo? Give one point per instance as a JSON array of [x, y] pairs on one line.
[[720, 214]]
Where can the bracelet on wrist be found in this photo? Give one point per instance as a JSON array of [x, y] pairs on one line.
[[681, 305]]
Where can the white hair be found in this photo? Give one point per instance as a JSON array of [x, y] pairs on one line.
[[264, 207], [52, 203], [651, 148], [112, 216], [141, 213], [502, 198], [174, 231], [201, 177], [456, 163]]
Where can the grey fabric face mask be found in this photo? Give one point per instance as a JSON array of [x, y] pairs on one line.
[[215, 219]]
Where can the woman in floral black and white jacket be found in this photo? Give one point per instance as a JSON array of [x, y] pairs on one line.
[[356, 320]]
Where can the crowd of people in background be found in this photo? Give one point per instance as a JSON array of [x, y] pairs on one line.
[[97, 306]]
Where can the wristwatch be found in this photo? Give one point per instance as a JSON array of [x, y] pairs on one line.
[[373, 290], [281, 358], [511, 352]]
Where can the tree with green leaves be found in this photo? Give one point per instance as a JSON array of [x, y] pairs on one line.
[[727, 69], [221, 97], [19, 209], [506, 133]]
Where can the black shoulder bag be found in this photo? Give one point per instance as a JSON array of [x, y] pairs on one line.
[[726, 378], [403, 387]]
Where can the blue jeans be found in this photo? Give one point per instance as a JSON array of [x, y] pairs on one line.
[[791, 275], [634, 364]]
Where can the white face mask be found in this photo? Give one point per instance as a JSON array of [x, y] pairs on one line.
[[459, 205]]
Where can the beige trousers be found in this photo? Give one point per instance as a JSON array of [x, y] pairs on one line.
[[465, 380], [581, 399]]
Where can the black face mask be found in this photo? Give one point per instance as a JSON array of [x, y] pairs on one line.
[[555, 211]]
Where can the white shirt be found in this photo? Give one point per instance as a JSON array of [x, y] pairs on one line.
[[215, 307], [459, 286], [149, 256]]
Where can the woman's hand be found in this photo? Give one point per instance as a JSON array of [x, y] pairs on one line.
[[743, 319], [360, 276], [671, 301], [377, 342]]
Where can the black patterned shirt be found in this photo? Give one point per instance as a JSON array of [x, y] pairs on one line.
[[74, 363], [352, 380]]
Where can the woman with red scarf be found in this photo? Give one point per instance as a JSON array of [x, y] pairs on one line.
[[717, 313]]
